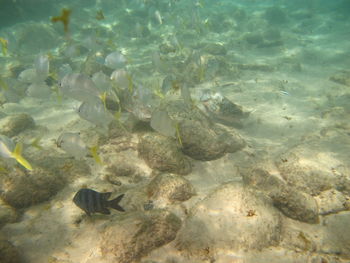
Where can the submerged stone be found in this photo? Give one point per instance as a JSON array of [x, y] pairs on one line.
[[12, 125], [21, 190], [205, 144], [138, 234], [170, 187], [163, 154], [8, 253], [232, 217]]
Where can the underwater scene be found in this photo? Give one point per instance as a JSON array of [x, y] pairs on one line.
[[174, 131]]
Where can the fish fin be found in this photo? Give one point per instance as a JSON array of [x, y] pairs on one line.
[[3, 84], [3, 43], [103, 98], [17, 154], [36, 143], [106, 195], [95, 155], [87, 213], [130, 83], [105, 211], [177, 129], [115, 203]]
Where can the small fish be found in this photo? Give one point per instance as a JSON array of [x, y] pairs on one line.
[[115, 60], [72, 144], [158, 16], [3, 43], [99, 15], [80, 87], [96, 114], [9, 150], [64, 18], [283, 92], [94, 202], [42, 67], [162, 123]]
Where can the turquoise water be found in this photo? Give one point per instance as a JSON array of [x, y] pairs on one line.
[[225, 124]]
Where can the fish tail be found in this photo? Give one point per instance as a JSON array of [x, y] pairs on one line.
[[103, 98], [17, 154], [115, 203], [36, 143], [177, 128], [95, 155]]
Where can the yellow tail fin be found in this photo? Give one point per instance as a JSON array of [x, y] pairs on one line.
[[94, 153], [103, 98], [17, 154]]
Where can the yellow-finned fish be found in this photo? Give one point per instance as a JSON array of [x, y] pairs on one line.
[[3, 43], [9, 150], [94, 152]]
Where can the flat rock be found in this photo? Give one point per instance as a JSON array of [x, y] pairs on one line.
[[290, 201], [22, 190], [309, 170], [170, 188], [232, 217], [138, 234], [337, 235], [205, 144], [7, 214], [14, 124], [8, 253], [163, 154], [296, 204], [342, 77], [332, 201]]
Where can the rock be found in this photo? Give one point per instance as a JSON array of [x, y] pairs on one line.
[[8, 253], [342, 77], [201, 138], [291, 202], [296, 205], [166, 48], [254, 38], [233, 141], [215, 49], [60, 165], [199, 142], [22, 190], [221, 109], [14, 124], [179, 110], [205, 144], [261, 179], [170, 187], [256, 67], [121, 168], [301, 168], [163, 154], [233, 217], [331, 202], [7, 214], [138, 234], [336, 239]]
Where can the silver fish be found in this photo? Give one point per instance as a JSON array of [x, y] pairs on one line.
[[95, 113]]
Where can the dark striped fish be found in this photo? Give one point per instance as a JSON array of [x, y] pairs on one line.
[[94, 202]]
